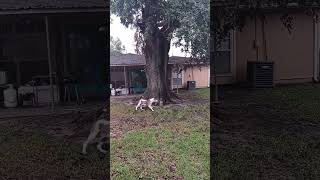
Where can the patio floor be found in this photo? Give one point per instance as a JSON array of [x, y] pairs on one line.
[[6, 113]]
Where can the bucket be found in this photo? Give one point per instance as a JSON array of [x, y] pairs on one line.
[[10, 97], [113, 92]]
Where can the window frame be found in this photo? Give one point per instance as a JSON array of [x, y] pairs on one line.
[[230, 49], [174, 78]]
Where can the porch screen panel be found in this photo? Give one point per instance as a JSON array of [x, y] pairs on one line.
[[11, 68], [117, 77], [31, 47], [30, 69]]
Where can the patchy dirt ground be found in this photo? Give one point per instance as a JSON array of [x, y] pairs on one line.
[[43, 147], [64, 126], [170, 143], [124, 118], [272, 134]]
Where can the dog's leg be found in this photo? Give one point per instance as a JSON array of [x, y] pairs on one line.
[[150, 107], [90, 139], [99, 147], [139, 105]]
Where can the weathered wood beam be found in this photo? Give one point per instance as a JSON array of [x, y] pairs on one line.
[[49, 61]]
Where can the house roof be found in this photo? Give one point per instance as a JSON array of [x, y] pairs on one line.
[[271, 5], [50, 4], [127, 60], [139, 60]]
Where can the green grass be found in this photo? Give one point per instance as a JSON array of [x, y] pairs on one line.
[[274, 152], [302, 100], [197, 94], [203, 93], [290, 156], [35, 155], [181, 139], [149, 153]]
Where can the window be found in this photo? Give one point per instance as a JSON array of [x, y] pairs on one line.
[[176, 78], [223, 58]]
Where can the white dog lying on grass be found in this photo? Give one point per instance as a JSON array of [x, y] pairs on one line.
[[146, 103], [98, 134]]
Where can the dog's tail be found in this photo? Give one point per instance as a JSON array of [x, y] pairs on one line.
[[99, 123], [102, 122]]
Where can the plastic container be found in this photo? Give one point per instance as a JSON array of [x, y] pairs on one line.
[[113, 92], [10, 97]]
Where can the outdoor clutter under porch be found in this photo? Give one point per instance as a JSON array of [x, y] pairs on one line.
[[54, 58]]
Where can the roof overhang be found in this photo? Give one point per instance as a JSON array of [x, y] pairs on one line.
[[184, 64], [127, 65], [52, 11]]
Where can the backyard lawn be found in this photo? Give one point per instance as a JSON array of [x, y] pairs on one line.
[[268, 134], [38, 148], [258, 134], [170, 143]]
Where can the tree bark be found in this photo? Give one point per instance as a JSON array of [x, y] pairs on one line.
[[156, 54], [156, 51]]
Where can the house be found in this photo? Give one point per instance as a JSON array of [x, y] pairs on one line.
[[295, 55], [42, 40], [127, 70]]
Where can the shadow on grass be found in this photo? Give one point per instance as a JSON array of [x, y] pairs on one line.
[[34, 155], [268, 134]]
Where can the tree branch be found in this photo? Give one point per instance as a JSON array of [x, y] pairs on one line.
[[170, 26], [141, 25], [162, 23]]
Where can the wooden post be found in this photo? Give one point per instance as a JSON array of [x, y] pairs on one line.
[[177, 81], [49, 62], [125, 77], [18, 74]]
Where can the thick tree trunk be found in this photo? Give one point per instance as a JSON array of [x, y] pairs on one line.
[[157, 39], [156, 54]]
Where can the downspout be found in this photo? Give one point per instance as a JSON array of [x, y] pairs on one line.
[[315, 52]]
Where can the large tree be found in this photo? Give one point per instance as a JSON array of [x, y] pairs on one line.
[[158, 22]]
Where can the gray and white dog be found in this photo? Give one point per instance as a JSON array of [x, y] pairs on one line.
[[98, 134], [146, 103]]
